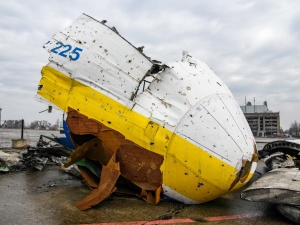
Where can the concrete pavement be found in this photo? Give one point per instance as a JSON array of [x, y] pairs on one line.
[[47, 197]]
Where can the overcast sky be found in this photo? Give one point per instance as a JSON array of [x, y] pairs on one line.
[[253, 46]]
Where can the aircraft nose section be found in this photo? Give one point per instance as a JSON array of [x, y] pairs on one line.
[[217, 125]]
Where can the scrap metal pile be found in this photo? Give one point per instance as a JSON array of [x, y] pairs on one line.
[[47, 151], [10, 161], [281, 185]]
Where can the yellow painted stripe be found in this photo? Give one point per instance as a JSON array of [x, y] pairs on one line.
[[187, 169]]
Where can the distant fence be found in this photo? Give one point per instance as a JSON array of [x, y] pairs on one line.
[[32, 136]]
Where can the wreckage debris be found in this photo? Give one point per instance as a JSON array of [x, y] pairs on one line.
[[106, 144], [31, 158], [175, 129], [281, 185], [291, 212], [281, 154], [9, 161], [109, 176], [48, 151]]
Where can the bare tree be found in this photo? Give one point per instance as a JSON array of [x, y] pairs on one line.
[[294, 129], [40, 124], [12, 124]]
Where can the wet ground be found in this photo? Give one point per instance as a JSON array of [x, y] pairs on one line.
[[48, 197]]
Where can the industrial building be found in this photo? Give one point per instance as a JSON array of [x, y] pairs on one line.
[[262, 121]]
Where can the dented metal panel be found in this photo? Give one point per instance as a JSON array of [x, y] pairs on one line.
[[290, 212], [279, 186], [165, 122], [195, 100], [105, 60]]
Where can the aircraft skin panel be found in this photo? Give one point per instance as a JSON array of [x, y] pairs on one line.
[[198, 106], [107, 43], [132, 125], [98, 57], [217, 130], [180, 86]]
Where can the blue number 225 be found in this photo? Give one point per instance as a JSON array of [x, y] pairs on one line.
[[62, 49]]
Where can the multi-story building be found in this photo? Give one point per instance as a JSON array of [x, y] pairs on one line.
[[262, 121]]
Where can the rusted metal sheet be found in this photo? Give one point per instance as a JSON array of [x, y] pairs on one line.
[[91, 180], [137, 165], [109, 176], [165, 121], [279, 186], [141, 167]]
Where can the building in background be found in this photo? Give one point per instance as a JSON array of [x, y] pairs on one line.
[[262, 121]]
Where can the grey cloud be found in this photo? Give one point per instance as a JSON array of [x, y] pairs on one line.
[[251, 45]]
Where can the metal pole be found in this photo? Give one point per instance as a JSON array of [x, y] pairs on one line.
[[245, 105], [0, 117], [22, 128]]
